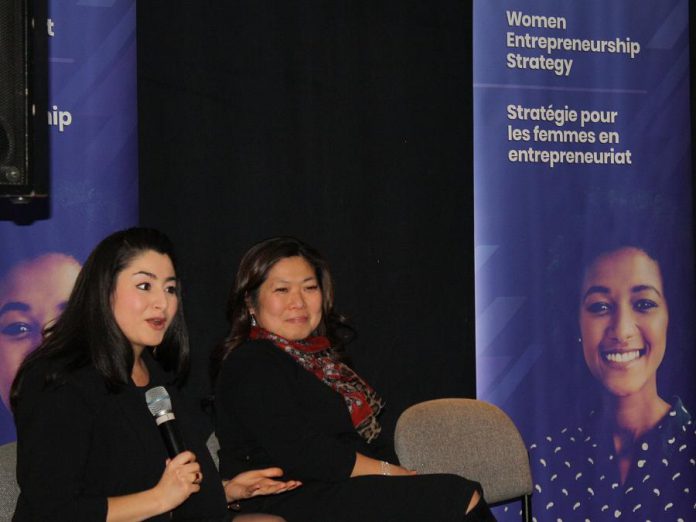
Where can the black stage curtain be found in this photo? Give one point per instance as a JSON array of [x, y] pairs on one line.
[[345, 123]]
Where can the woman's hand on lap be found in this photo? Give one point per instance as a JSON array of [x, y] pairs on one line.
[[257, 482]]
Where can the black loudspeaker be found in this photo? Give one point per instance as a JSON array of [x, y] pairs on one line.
[[16, 108]]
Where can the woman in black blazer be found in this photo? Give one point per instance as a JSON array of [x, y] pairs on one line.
[[284, 397], [88, 447]]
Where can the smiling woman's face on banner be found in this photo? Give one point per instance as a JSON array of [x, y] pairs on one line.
[[32, 294], [623, 321]]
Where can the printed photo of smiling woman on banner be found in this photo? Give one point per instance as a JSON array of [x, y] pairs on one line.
[[92, 129], [585, 251]]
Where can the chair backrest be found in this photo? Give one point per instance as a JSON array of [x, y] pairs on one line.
[[465, 437], [9, 490]]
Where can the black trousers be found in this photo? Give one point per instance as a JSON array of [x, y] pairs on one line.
[[375, 498]]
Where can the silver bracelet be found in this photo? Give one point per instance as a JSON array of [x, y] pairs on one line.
[[385, 467]]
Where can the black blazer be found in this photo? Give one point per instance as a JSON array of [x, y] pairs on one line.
[[269, 411], [78, 444]]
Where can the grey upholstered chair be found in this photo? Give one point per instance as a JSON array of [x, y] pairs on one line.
[[470, 438], [213, 447], [9, 490]]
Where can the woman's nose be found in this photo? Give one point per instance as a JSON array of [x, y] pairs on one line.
[[623, 327], [297, 299], [160, 300]]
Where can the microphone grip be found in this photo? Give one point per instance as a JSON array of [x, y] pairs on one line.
[[172, 438]]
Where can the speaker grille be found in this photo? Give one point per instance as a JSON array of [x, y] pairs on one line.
[[14, 102]]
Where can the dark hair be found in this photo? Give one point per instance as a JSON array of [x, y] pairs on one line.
[[253, 271], [29, 251], [86, 333]]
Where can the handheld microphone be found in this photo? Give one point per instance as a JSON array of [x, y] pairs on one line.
[[160, 405]]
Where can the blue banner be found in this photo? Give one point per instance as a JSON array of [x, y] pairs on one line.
[[584, 250], [92, 119]]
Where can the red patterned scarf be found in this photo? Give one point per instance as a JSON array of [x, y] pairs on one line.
[[316, 356]]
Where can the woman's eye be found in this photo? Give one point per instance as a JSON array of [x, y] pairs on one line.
[[143, 286], [643, 305], [170, 290], [281, 290], [312, 287], [598, 308], [17, 329]]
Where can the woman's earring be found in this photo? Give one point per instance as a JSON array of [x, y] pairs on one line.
[[253, 319]]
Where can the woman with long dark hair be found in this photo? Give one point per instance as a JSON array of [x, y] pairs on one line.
[[88, 447], [285, 397]]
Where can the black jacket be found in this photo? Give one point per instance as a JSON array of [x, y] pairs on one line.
[[78, 444]]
